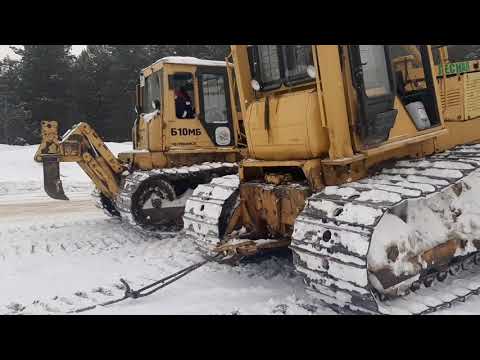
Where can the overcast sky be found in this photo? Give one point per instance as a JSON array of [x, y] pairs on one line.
[[5, 50]]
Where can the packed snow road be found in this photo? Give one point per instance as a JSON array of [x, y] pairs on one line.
[[57, 257], [27, 210]]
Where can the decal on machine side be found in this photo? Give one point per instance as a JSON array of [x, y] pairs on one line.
[[185, 144], [223, 136], [185, 132]]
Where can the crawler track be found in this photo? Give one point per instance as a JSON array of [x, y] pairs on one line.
[[172, 186], [333, 234], [206, 211], [332, 239]]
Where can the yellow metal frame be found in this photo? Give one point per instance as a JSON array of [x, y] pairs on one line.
[[82, 145], [338, 115]]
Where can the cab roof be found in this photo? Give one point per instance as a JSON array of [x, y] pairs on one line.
[[187, 60]]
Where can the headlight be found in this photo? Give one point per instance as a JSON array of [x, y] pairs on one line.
[[255, 85], [311, 71]]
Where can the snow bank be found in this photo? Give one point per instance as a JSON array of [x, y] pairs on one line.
[[20, 174]]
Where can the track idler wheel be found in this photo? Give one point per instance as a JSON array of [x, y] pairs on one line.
[[157, 191]]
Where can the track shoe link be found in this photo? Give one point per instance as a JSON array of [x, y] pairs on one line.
[[379, 245], [208, 209], [156, 198]]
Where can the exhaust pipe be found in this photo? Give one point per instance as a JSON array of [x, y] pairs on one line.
[[51, 178]]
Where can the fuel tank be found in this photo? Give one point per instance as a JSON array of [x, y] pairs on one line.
[[288, 127]]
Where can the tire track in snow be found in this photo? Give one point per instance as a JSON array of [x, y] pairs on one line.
[[268, 270], [79, 236], [107, 238], [139, 257]]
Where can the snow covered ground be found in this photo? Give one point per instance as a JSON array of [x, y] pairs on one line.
[[21, 177], [60, 256]]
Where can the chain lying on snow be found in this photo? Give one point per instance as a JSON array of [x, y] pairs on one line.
[[157, 285]]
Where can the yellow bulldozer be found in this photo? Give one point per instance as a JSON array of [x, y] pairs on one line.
[[187, 131], [360, 161]]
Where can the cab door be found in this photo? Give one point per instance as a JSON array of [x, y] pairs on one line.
[[373, 79], [215, 110]]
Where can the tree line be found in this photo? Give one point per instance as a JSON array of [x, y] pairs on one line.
[[98, 87]]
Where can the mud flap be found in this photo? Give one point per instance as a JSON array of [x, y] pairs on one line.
[[51, 178]]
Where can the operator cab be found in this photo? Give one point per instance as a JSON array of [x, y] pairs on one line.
[[188, 102], [382, 81]]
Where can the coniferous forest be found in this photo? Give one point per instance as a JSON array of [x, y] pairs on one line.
[[98, 87]]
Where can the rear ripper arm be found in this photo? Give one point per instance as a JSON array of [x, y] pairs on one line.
[[80, 144]]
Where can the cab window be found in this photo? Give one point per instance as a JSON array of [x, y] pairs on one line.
[[184, 95], [375, 71], [276, 65], [214, 98], [409, 68], [297, 58], [152, 91], [269, 64], [415, 78]]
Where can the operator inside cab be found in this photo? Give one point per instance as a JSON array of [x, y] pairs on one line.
[[183, 104]]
